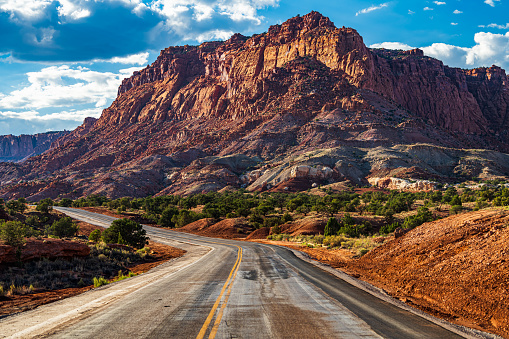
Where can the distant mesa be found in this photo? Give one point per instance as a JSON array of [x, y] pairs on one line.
[[305, 102]]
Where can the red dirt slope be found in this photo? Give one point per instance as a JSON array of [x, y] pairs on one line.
[[457, 268]]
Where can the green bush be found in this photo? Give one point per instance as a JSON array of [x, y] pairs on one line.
[[100, 281], [423, 215], [185, 217], [14, 206], [14, 233], [332, 227], [456, 209], [44, 207], [386, 229], [131, 232], [62, 228], [95, 236], [167, 215]]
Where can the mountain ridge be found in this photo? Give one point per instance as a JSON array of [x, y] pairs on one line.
[[301, 87]]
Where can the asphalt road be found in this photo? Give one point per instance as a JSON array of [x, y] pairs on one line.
[[223, 289]]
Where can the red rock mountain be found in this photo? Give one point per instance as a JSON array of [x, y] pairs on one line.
[[305, 102], [16, 148]]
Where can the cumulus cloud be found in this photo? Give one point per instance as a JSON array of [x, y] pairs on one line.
[[392, 45], [371, 9], [506, 26], [439, 3], [31, 122], [489, 49], [63, 86], [134, 59], [491, 2], [72, 115], [457, 11], [79, 30], [454, 23], [24, 9], [428, 9]]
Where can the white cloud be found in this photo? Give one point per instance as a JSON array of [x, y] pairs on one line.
[[63, 86], [26, 9], [428, 9], [73, 115], [439, 3], [216, 34], [491, 2], [182, 15], [456, 11], [411, 12], [506, 26], [454, 23], [73, 10], [392, 45], [371, 9], [134, 59], [489, 49]]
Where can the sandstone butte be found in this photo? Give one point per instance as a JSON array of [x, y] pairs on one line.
[[305, 93]]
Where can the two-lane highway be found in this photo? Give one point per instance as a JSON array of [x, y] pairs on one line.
[[224, 289]]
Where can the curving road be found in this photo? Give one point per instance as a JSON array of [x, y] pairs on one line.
[[223, 289]]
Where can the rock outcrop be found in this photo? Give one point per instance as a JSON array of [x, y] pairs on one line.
[[301, 87], [16, 148], [77, 133]]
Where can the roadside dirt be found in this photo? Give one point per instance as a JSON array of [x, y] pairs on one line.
[[19, 303], [456, 268]]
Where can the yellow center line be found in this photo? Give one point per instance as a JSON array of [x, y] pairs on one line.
[[233, 272], [223, 306]]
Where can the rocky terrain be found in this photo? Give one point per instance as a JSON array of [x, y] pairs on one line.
[[16, 148], [304, 103]]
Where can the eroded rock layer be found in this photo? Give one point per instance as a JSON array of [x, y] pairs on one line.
[[204, 117]]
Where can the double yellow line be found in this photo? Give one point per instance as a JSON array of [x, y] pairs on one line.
[[228, 288]]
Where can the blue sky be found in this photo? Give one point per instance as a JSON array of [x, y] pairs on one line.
[[62, 60]]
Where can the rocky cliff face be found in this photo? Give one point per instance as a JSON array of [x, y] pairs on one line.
[[301, 87], [15, 148], [79, 132]]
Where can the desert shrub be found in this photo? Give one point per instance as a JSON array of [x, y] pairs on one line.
[[167, 215], [150, 217], [65, 202], [455, 209], [423, 215], [272, 222], [33, 221], [455, 201], [332, 227], [95, 236], [14, 206], [100, 281], [286, 217], [14, 233], [44, 207], [129, 231], [62, 228], [185, 217], [386, 229], [480, 204], [276, 229], [350, 230]]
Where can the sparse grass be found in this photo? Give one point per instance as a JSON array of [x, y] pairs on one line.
[[47, 274], [98, 282], [359, 246]]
